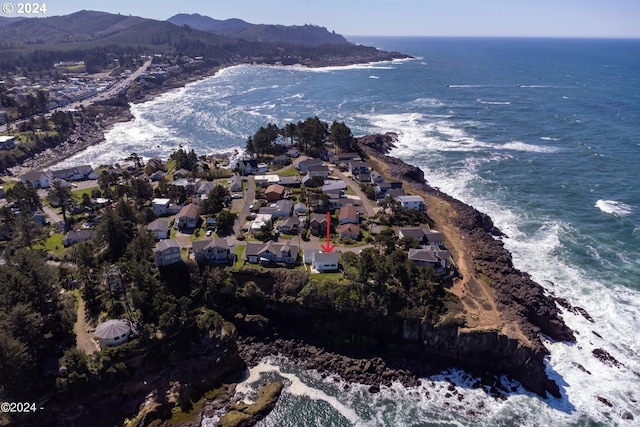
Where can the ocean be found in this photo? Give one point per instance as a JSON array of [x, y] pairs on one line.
[[541, 134]]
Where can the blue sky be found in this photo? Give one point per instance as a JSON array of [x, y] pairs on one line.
[[523, 18]]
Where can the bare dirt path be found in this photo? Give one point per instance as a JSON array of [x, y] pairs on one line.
[[84, 339], [480, 310]]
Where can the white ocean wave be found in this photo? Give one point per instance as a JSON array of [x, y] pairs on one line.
[[613, 207]]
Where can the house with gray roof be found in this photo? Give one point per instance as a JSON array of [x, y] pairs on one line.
[[167, 252], [272, 252], [212, 251]]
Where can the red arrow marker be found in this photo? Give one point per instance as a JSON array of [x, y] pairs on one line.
[[328, 247]]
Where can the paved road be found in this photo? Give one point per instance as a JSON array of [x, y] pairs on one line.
[[249, 197], [355, 186]]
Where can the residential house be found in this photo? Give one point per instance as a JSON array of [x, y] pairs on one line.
[[167, 252], [318, 224], [39, 217], [157, 176], [300, 209], [155, 164], [412, 202], [304, 165], [205, 187], [274, 192], [284, 208], [271, 252], [417, 234], [344, 158], [262, 168], [293, 153], [180, 174], [187, 217], [439, 260], [434, 238], [7, 142], [324, 262], [350, 231], [160, 206], [288, 225], [334, 187], [212, 251], [248, 167], [159, 228], [260, 221], [290, 181], [349, 215], [266, 180], [37, 179], [282, 160], [113, 332], [376, 178], [236, 184], [77, 236], [78, 173], [395, 192], [358, 167], [318, 171]]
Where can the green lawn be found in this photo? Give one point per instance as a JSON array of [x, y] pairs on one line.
[[287, 171], [52, 244]]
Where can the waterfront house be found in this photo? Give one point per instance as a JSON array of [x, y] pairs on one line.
[[167, 252], [417, 234], [248, 167], [180, 174], [430, 256], [37, 179], [412, 202]]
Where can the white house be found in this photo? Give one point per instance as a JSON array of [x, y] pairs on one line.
[[412, 202], [37, 179], [323, 261], [167, 252], [159, 228], [160, 206], [113, 332]]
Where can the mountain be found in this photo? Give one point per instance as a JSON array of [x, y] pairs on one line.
[[310, 35], [100, 28], [98, 38], [6, 21]]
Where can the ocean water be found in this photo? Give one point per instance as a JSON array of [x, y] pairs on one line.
[[542, 134]]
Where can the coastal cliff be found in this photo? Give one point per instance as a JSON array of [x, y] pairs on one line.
[[513, 343]]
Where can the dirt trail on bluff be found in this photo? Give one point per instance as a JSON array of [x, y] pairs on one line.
[[481, 312]]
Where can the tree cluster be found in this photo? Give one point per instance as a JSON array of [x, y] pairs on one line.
[[310, 134]]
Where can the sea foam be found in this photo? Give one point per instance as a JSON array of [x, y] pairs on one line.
[[613, 207]]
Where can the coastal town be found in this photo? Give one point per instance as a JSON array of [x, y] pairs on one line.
[[285, 211], [140, 292]]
